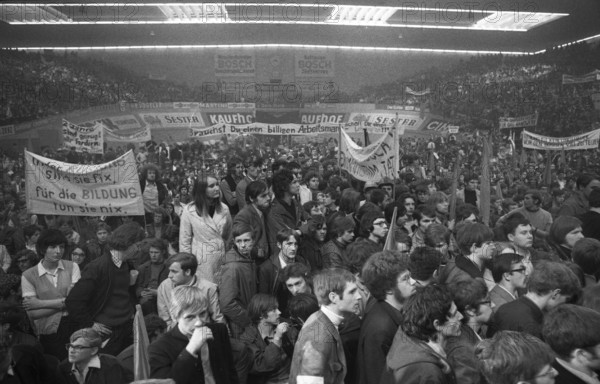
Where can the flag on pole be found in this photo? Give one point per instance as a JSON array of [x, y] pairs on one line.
[[548, 170], [141, 361], [455, 176], [390, 241], [485, 196]]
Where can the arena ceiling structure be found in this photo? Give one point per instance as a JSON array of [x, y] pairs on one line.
[[508, 26]]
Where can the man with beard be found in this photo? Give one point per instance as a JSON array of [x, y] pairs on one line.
[[258, 201], [510, 275], [429, 317], [540, 219], [550, 285], [387, 277], [269, 271], [472, 300], [237, 280]]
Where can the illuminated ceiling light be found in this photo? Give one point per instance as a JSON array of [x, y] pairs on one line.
[[268, 46]]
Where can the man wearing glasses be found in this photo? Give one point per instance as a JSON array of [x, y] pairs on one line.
[[510, 275], [86, 365]]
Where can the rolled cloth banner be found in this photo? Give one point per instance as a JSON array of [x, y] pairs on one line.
[[57, 188], [372, 163], [587, 140]]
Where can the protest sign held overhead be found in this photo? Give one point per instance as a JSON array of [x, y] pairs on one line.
[[58, 188], [84, 139], [371, 163]]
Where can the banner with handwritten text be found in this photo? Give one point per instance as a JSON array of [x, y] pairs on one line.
[[371, 163]]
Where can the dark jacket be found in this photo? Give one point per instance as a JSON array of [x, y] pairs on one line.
[[460, 351], [110, 372], [237, 284], [280, 218], [250, 217], [461, 269], [564, 375], [521, 315], [310, 250], [268, 280], [591, 225], [270, 361], [169, 358], [334, 255], [145, 274], [412, 361], [379, 327], [29, 366], [90, 294]]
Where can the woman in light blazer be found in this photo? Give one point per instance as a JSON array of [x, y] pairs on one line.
[[205, 227]]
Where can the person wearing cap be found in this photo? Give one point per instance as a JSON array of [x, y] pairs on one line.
[[590, 221]]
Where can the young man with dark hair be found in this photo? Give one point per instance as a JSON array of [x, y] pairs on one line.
[[578, 204], [253, 171], [424, 216], [237, 280], [296, 278], [319, 354], [520, 234], [572, 333], [424, 265], [286, 211], [510, 275], [540, 219], [235, 174], [586, 254], [335, 250], [550, 285], [472, 300], [387, 277], [417, 354], [515, 358], [104, 297], [470, 195], [314, 234], [258, 201], [590, 221], [182, 271]]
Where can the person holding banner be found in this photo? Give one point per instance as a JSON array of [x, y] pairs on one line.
[[206, 227]]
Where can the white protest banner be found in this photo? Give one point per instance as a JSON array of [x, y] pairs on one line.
[[587, 140], [57, 188], [117, 136], [518, 122], [264, 129], [587, 78], [371, 163], [84, 139]]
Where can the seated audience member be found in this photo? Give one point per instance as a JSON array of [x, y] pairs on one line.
[[335, 250], [196, 349], [424, 265], [510, 275], [429, 317], [471, 298], [386, 275], [323, 358], [86, 365], [155, 327], [264, 337], [515, 358], [572, 333], [237, 280], [151, 274], [550, 285], [477, 248], [586, 254], [268, 272], [590, 221], [45, 288], [182, 271], [310, 246], [564, 233]]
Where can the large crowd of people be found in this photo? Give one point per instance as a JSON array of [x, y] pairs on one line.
[[264, 262]]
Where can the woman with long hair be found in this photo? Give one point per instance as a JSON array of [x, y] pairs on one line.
[[205, 227]]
